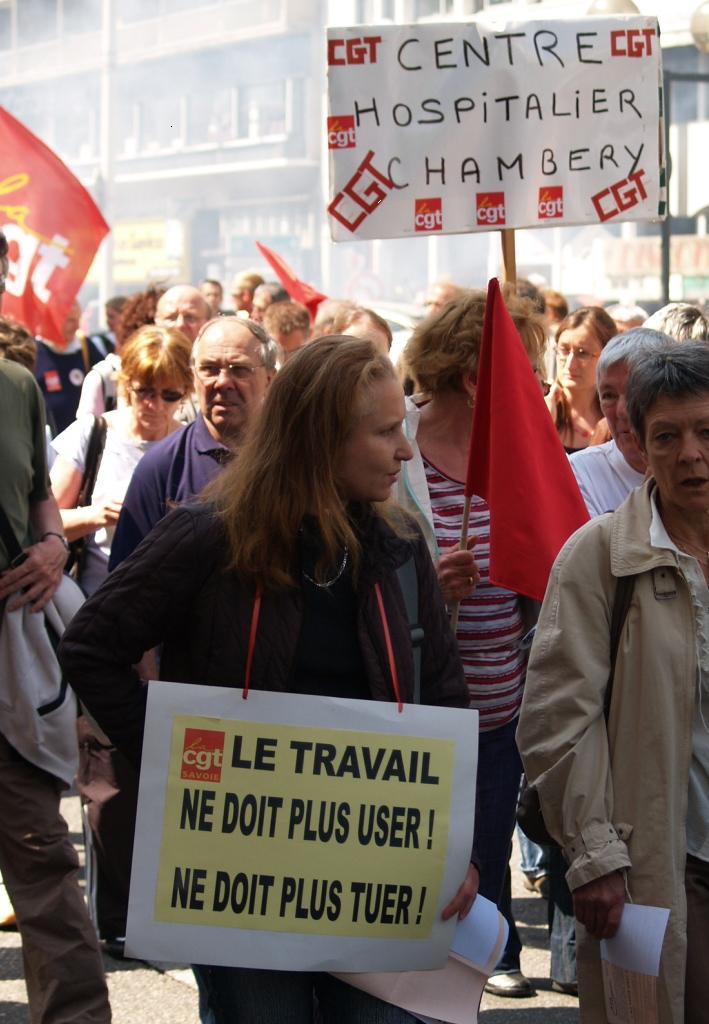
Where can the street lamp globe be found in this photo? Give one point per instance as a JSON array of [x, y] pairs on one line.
[[699, 27], [613, 7]]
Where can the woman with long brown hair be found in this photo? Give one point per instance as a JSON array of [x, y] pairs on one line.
[[573, 399], [299, 526]]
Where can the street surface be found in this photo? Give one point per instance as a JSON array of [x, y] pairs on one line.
[[147, 994]]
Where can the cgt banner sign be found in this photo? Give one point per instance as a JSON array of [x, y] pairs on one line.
[[472, 127], [307, 834], [53, 228]]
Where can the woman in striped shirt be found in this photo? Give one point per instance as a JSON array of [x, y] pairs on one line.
[[442, 358]]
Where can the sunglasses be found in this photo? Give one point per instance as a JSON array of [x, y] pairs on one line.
[[150, 394]]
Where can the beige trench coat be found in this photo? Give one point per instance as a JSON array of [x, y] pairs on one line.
[[616, 797]]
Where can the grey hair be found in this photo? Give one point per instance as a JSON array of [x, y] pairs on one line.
[[268, 347], [626, 347], [675, 371], [681, 321]]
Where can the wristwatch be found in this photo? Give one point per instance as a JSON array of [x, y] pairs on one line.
[[62, 538]]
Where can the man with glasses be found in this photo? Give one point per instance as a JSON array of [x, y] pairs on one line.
[[234, 361]]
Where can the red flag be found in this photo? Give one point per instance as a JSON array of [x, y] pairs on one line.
[[298, 290], [53, 228], [517, 462]]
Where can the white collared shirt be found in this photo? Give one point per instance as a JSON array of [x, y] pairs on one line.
[[698, 800]]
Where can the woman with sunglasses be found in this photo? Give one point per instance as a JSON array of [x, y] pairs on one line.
[[154, 378], [573, 401]]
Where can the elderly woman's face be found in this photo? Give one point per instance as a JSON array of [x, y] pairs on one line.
[[676, 445]]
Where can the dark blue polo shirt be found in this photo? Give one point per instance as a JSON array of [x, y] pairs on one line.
[[174, 470]]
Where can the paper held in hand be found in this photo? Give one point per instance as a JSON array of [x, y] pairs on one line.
[[308, 833], [453, 993], [631, 964]]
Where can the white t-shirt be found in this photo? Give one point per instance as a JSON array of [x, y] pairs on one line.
[[92, 390], [605, 479], [119, 459]]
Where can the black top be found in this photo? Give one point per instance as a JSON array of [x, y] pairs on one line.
[[328, 660]]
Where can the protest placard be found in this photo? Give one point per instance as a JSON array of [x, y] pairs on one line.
[[442, 128], [298, 832]]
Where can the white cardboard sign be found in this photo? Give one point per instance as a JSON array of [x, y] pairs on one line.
[[299, 833], [443, 128]]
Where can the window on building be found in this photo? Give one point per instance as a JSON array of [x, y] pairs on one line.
[[137, 10], [262, 110], [80, 16], [5, 27], [432, 8], [36, 21], [161, 123], [210, 116]]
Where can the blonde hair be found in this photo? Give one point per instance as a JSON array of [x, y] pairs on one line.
[[287, 469], [447, 344], [154, 354]]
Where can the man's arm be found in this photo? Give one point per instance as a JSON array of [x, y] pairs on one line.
[[39, 575], [143, 506]]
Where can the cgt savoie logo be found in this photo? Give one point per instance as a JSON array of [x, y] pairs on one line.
[[202, 755], [551, 202], [428, 215], [341, 132], [490, 207]]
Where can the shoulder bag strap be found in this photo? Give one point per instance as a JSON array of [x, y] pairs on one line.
[[97, 441], [408, 581], [621, 604]]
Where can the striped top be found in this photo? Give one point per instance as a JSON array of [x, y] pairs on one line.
[[490, 622]]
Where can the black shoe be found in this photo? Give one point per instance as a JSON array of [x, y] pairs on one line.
[[566, 988], [512, 985], [115, 948]]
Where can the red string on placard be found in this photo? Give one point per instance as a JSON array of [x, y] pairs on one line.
[[390, 649], [255, 615]]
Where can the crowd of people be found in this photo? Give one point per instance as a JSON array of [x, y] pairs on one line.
[[251, 479]]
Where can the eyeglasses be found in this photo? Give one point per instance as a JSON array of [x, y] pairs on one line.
[[150, 394], [564, 352], [208, 373]]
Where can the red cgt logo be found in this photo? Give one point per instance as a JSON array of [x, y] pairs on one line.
[[428, 215], [551, 202], [490, 207], [202, 755], [341, 132]]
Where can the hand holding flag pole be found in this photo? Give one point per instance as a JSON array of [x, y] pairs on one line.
[[517, 463]]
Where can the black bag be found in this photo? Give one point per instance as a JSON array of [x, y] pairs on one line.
[[529, 812], [94, 451]]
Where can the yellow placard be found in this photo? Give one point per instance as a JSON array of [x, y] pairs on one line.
[[286, 828]]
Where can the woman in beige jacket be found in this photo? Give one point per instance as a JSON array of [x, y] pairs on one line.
[[628, 800]]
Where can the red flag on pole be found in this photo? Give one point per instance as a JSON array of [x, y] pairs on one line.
[[53, 228], [298, 290], [517, 462]]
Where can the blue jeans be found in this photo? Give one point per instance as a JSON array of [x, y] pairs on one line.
[[240, 995], [499, 773], [562, 922], [534, 860]]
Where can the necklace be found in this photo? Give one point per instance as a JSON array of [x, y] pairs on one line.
[[326, 584], [679, 541]]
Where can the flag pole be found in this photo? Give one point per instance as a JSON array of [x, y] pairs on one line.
[[509, 276], [455, 608], [509, 258]]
